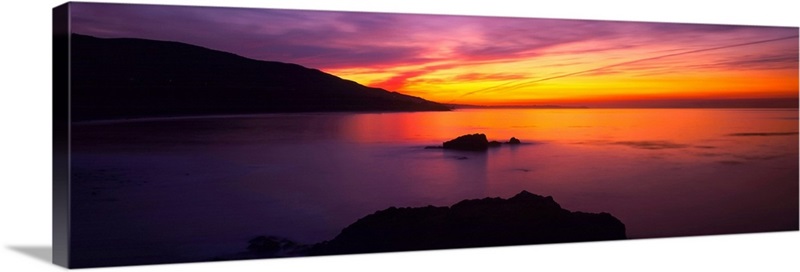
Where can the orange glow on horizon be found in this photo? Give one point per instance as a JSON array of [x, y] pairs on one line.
[[574, 72], [484, 60]]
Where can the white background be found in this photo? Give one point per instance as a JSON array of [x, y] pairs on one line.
[[25, 151]]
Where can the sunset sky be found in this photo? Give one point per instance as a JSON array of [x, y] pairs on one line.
[[484, 60]]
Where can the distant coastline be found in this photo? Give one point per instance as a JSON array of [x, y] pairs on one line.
[[454, 108], [126, 78]]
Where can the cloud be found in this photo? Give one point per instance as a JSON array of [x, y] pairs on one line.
[[365, 39], [409, 48], [399, 81], [749, 62], [490, 76], [335, 39]]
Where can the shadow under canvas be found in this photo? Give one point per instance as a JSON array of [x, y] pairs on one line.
[[42, 253]]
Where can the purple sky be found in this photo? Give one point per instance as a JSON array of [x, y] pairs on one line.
[[322, 39], [411, 53]]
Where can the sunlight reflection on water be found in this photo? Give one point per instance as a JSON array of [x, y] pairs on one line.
[[663, 172]]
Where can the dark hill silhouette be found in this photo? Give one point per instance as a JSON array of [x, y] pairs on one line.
[[523, 219], [124, 78]]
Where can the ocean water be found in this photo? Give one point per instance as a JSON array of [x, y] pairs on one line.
[[187, 189]]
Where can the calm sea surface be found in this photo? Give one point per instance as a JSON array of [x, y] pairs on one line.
[[195, 188]]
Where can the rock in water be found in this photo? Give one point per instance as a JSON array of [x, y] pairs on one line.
[[514, 140], [476, 141], [523, 219]]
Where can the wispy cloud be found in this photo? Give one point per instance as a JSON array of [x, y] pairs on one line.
[[408, 53], [609, 68]]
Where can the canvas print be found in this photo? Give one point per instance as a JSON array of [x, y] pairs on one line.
[[189, 133]]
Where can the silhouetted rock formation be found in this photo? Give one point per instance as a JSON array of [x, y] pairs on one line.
[[523, 219], [473, 142], [271, 246], [125, 78], [476, 141]]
